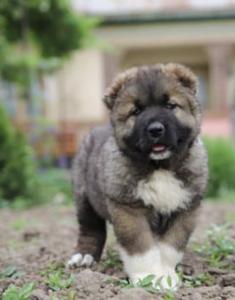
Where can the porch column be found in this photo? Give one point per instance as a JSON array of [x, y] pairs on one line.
[[218, 58], [111, 67]]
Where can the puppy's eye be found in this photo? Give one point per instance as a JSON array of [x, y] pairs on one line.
[[136, 111], [170, 105]]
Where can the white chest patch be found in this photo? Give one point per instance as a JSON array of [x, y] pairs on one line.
[[164, 191]]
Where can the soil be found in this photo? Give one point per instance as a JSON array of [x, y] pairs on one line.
[[37, 242]]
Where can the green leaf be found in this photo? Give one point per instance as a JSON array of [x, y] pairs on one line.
[[148, 280], [169, 281], [27, 290], [18, 293], [8, 272], [158, 283], [35, 31]]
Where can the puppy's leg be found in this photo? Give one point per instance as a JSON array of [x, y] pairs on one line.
[[173, 243], [139, 249], [143, 253], [92, 236]]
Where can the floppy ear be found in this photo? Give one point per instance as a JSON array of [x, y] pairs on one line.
[[184, 75], [112, 92]]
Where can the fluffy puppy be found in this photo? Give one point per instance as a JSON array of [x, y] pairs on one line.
[[145, 172]]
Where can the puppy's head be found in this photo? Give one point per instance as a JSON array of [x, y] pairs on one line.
[[154, 111]]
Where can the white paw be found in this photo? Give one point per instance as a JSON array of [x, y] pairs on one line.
[[166, 281], [80, 260]]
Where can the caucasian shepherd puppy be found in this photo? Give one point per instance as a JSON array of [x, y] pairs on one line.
[[145, 173]]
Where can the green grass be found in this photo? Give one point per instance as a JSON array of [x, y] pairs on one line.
[[147, 284], [231, 217], [18, 293], [217, 247], [72, 295], [56, 278], [52, 185], [52, 268], [224, 195], [199, 280], [57, 281], [221, 163], [10, 272], [112, 260], [19, 224], [168, 296], [53, 182]]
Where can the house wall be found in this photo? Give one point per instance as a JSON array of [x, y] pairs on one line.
[[207, 47], [77, 90], [168, 34], [193, 57]]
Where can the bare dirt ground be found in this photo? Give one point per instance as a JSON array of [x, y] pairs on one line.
[[35, 245]]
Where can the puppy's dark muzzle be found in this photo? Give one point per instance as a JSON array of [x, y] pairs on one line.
[[155, 131]]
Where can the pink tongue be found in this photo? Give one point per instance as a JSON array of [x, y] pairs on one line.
[[159, 147]]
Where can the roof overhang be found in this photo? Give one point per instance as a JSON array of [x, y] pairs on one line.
[[167, 16]]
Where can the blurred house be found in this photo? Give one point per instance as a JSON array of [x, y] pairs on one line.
[[197, 33], [200, 34]]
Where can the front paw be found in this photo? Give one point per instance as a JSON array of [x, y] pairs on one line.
[[161, 281], [80, 260]]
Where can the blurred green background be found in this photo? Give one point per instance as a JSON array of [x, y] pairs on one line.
[[36, 39], [57, 57]]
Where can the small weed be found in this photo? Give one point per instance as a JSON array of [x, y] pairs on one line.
[[218, 245], [112, 260], [199, 280], [54, 297], [19, 224], [10, 272], [18, 293], [169, 296], [147, 284], [58, 281], [231, 217], [53, 267], [54, 185], [14, 244], [72, 295], [123, 283]]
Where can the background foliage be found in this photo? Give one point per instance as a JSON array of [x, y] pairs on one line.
[[17, 168], [21, 183], [221, 154], [36, 35]]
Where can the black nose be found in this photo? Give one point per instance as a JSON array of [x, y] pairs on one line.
[[156, 130]]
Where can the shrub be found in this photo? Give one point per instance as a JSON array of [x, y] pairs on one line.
[[17, 168], [55, 184], [221, 155]]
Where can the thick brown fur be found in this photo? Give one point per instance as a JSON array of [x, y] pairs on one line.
[[114, 159]]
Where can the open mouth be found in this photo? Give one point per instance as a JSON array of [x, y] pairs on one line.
[[159, 152], [159, 148]]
